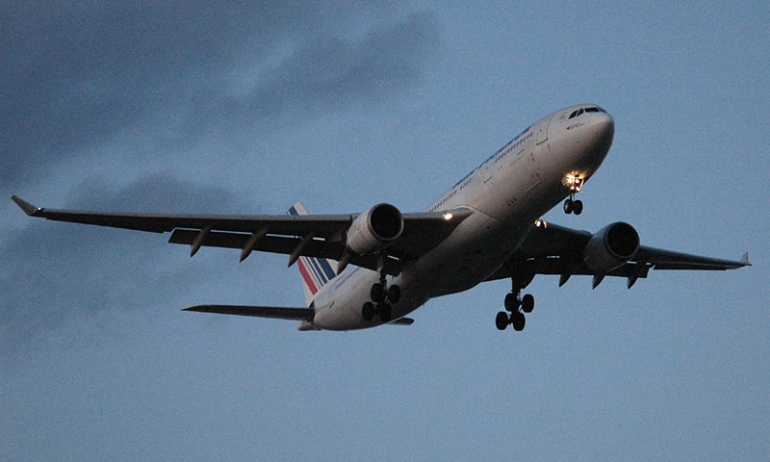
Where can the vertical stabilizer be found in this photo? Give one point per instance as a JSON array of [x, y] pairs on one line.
[[315, 272]]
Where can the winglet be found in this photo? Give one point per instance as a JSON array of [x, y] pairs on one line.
[[28, 208], [745, 259]]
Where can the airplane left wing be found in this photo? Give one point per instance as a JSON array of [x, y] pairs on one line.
[[322, 236], [557, 250]]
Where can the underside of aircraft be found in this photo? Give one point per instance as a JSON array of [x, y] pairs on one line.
[[361, 270]]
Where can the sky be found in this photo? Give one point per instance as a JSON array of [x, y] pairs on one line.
[[247, 107]]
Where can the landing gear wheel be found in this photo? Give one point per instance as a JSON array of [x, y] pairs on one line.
[[511, 302], [386, 312], [518, 320], [377, 293], [367, 312], [502, 321], [527, 303], [577, 207], [573, 206], [394, 293]]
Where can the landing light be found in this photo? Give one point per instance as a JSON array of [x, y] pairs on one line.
[[573, 182], [448, 216], [540, 223]]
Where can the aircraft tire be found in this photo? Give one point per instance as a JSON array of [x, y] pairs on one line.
[[394, 293], [568, 206], [511, 302], [502, 320], [367, 312], [376, 293], [577, 207], [518, 320], [527, 303], [386, 312]]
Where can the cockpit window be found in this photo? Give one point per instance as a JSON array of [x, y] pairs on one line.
[[576, 113], [581, 111]]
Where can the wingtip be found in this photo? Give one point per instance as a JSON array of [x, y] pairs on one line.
[[196, 308], [745, 259], [25, 206]]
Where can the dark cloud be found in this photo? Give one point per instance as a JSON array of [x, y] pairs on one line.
[[335, 72], [75, 75], [58, 276]]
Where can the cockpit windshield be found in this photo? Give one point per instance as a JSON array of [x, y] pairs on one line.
[[581, 111]]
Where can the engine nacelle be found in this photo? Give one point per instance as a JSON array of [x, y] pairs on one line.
[[611, 247], [374, 229]]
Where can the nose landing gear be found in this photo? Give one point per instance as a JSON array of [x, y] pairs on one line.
[[573, 206], [574, 183]]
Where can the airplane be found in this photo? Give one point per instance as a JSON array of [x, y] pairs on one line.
[[376, 267]]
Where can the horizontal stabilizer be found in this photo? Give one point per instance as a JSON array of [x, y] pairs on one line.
[[275, 312]]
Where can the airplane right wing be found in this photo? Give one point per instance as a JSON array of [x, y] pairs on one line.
[[557, 250], [322, 236]]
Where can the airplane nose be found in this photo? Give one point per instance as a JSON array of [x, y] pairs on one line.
[[604, 126], [603, 121]]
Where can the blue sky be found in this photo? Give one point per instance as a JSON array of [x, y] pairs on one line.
[[240, 108]]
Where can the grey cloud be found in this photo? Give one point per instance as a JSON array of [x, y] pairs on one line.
[[334, 72], [75, 75]]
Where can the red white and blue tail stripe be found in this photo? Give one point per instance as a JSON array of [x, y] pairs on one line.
[[315, 272]]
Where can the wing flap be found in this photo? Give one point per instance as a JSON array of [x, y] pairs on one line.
[[276, 244]]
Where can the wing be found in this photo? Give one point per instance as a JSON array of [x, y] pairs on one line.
[[321, 236], [557, 250]]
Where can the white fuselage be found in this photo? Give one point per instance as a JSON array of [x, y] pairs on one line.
[[507, 193]]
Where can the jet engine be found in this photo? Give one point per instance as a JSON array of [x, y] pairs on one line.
[[611, 247], [374, 229]]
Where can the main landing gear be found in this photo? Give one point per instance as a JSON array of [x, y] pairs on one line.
[[517, 306], [574, 183], [382, 297]]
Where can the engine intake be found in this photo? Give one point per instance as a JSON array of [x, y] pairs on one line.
[[611, 247], [374, 229]]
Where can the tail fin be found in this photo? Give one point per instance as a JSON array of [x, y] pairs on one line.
[[315, 272]]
